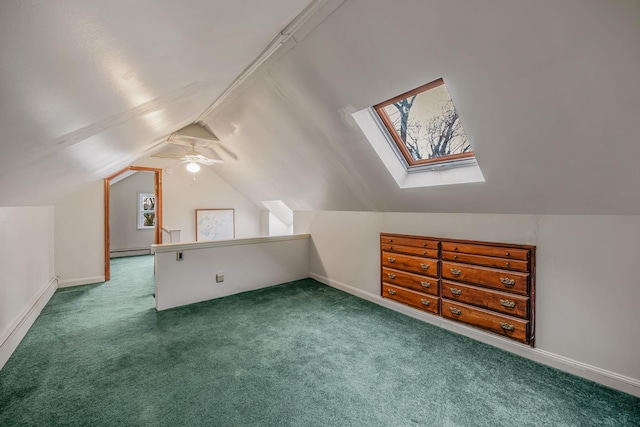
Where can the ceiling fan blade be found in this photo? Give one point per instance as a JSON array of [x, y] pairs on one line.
[[209, 153], [199, 158], [227, 151], [210, 162], [205, 156]]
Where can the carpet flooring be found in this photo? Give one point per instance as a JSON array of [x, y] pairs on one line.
[[296, 354]]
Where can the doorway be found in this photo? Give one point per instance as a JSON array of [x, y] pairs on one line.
[[107, 197]]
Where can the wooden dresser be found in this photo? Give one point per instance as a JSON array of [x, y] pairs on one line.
[[483, 284]]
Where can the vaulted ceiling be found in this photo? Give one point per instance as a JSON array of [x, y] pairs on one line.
[[547, 92], [87, 85]]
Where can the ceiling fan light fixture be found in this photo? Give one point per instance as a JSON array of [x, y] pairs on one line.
[[193, 167]]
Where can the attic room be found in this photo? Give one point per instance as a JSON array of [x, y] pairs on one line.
[[301, 330]]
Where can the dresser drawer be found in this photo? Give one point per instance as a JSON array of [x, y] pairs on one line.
[[409, 280], [510, 281], [413, 264], [510, 304], [411, 250], [489, 285], [494, 251], [386, 240], [511, 327], [504, 263], [415, 299]]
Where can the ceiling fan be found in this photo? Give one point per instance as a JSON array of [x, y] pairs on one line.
[[192, 145]]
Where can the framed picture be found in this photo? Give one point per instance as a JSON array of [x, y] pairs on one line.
[[146, 210], [215, 224]]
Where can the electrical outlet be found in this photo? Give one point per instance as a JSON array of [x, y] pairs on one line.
[[179, 256], [219, 277]]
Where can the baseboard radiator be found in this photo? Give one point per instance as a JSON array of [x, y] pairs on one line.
[[117, 253]]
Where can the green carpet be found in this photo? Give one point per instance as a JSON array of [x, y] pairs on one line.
[[297, 354]]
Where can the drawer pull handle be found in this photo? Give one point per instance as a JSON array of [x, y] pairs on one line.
[[425, 302], [506, 326], [455, 249], [455, 291], [507, 303], [455, 271], [424, 266], [391, 259], [390, 248], [507, 254], [424, 245], [391, 276], [455, 311], [425, 284], [508, 264], [508, 282], [391, 291], [455, 257]]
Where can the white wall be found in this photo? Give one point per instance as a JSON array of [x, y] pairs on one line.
[[247, 264], [123, 212], [271, 225], [264, 222], [587, 287], [26, 271], [182, 195], [517, 72], [79, 220], [79, 236], [277, 227]]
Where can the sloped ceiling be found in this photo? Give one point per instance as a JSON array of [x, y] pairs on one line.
[[547, 92], [86, 86]]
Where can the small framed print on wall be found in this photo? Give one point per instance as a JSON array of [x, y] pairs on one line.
[[215, 224], [146, 210]]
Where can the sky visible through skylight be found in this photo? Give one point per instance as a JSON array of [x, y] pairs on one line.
[[428, 125]]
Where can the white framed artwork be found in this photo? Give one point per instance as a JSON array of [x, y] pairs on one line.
[[146, 210], [215, 224]]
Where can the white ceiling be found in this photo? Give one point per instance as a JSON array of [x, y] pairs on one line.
[[547, 92], [87, 85]]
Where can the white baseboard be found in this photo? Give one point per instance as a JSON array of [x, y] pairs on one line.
[[81, 281], [129, 252], [13, 336], [602, 376]]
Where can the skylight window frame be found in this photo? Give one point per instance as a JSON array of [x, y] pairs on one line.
[[395, 137]]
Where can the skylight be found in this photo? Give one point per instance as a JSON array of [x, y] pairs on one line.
[[425, 126], [419, 138]]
